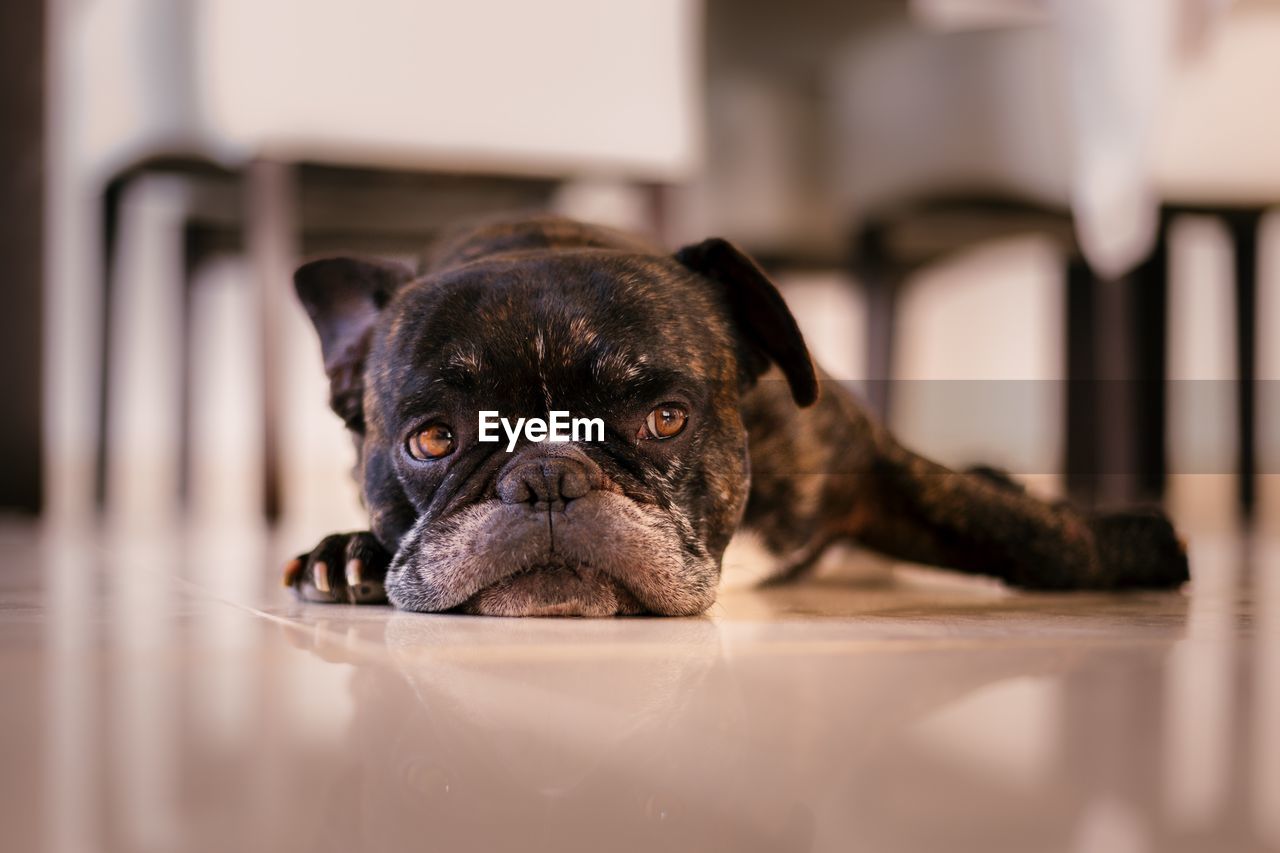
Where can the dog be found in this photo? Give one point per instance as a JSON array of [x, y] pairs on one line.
[[714, 420]]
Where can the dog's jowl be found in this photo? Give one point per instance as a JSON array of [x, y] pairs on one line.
[[712, 418]]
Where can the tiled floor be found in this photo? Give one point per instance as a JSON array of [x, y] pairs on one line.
[[166, 696]]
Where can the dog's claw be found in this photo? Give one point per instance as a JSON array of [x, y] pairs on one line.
[[320, 576], [315, 576]]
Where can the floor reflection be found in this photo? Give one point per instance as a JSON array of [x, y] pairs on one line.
[[189, 706], [675, 744]]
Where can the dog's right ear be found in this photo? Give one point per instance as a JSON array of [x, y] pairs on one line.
[[343, 297]]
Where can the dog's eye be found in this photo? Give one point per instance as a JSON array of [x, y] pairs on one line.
[[666, 421], [431, 442]]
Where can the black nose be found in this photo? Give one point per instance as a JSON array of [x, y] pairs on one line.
[[545, 481]]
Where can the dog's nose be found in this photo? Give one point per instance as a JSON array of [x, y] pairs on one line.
[[553, 481]]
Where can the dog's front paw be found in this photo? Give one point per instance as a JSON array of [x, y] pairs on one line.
[[344, 567], [1139, 549]]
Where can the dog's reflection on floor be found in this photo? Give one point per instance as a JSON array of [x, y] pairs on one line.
[[692, 735]]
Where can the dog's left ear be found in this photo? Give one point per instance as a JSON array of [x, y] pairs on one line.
[[343, 297], [759, 312]]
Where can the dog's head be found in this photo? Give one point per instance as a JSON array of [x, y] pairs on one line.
[[658, 348]]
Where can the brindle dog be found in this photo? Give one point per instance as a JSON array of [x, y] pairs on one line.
[[716, 421]]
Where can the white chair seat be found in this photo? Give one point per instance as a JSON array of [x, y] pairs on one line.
[[561, 87]]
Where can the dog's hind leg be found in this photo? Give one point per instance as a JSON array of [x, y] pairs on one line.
[[829, 472], [909, 507]]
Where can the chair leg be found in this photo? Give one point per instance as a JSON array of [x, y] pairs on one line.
[[882, 316], [1149, 325], [1244, 232], [270, 237], [657, 208], [1118, 438], [198, 246], [1081, 462], [879, 282], [112, 197]]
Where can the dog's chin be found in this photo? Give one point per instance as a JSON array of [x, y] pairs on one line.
[[603, 555], [554, 591]]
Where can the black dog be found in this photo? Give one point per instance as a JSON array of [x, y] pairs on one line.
[[714, 420]]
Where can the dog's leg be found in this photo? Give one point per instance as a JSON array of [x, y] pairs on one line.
[[915, 509], [343, 568], [829, 472]]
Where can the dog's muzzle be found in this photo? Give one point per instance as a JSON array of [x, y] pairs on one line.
[[555, 541]]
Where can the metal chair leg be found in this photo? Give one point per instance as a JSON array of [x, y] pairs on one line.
[[1149, 325], [271, 238], [1081, 464], [112, 196], [880, 284], [1244, 232]]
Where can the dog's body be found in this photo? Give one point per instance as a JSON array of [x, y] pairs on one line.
[[715, 418]]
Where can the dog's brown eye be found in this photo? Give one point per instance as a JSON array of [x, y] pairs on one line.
[[666, 421], [432, 442]]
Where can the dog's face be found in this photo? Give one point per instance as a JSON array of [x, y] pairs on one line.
[[657, 348]]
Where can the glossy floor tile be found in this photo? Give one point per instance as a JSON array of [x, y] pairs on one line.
[[162, 694]]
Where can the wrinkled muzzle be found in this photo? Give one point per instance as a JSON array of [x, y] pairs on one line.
[[555, 541]]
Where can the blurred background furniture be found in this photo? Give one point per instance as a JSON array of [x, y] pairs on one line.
[[297, 141], [999, 144], [1116, 332], [894, 244], [1243, 224], [882, 186], [22, 239], [327, 209], [833, 132]]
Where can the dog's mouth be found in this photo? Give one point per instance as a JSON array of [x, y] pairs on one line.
[[602, 555], [554, 590]]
